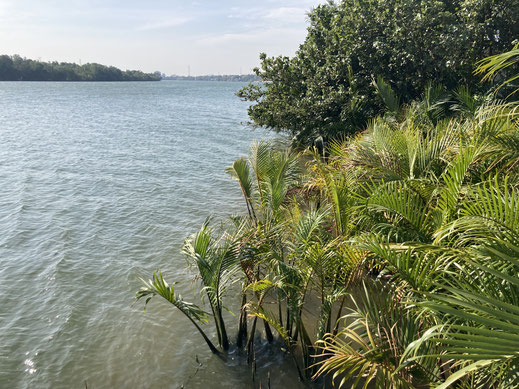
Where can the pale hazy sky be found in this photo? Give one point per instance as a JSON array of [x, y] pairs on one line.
[[212, 36]]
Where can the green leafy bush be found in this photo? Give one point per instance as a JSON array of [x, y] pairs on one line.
[[327, 87]]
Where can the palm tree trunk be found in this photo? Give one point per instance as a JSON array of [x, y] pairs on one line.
[[339, 313], [242, 331], [225, 338], [216, 322], [279, 312], [213, 349], [250, 340], [268, 332]]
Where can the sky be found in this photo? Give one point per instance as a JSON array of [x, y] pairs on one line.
[[171, 36]]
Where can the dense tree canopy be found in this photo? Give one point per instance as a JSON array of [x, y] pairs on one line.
[[16, 68], [327, 87]]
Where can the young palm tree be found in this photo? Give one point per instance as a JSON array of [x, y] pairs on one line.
[[480, 323], [158, 287], [496, 64], [440, 226], [216, 261], [421, 210], [369, 349]]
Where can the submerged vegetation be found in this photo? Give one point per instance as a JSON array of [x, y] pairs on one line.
[[16, 68], [385, 258]]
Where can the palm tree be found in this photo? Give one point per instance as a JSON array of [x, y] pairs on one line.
[[217, 261], [496, 64], [158, 287], [439, 226], [376, 334], [402, 242], [479, 308]]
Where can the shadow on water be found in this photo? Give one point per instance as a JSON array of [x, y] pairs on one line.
[[271, 367]]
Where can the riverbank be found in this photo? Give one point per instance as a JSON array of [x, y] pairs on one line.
[[16, 68]]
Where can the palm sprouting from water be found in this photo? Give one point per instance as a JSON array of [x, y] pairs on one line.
[[388, 259]]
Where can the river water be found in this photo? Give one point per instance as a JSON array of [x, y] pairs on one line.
[[99, 185]]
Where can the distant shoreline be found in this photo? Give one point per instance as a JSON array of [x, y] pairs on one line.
[[211, 77], [119, 81], [17, 68], [82, 81]]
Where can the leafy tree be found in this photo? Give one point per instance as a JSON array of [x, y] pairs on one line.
[[7, 70], [327, 87]]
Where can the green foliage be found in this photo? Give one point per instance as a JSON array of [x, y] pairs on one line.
[[499, 63], [158, 287], [369, 349], [446, 238], [327, 87], [16, 68], [389, 259], [216, 261], [388, 95]]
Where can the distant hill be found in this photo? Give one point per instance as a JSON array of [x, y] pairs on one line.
[[16, 68], [227, 77]]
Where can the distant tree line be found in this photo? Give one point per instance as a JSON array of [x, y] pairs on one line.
[[16, 68], [225, 77]]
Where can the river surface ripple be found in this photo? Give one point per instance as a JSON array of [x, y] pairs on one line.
[[99, 185]]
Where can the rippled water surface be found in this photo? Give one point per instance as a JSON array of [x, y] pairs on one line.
[[99, 185]]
